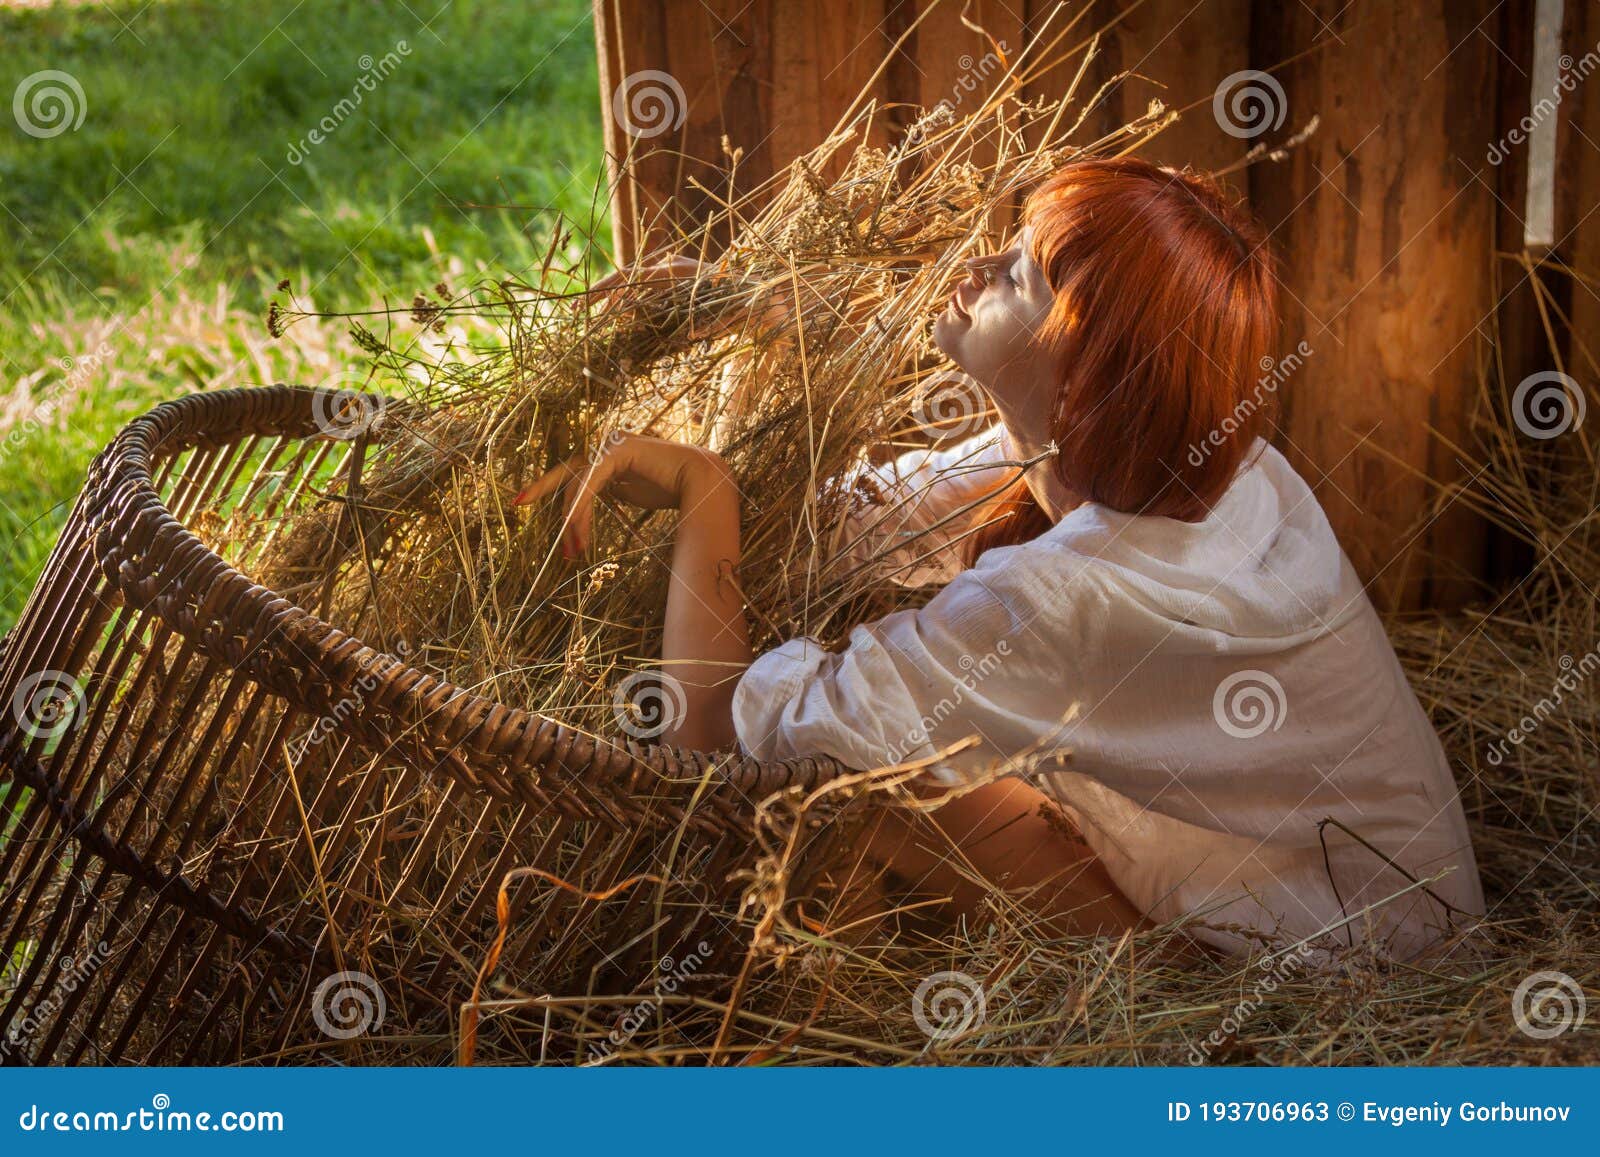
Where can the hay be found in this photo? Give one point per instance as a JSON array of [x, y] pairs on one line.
[[424, 551]]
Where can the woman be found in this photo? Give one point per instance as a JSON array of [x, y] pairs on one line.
[[1154, 628]]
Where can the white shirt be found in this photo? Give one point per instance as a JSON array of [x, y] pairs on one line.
[[1217, 688]]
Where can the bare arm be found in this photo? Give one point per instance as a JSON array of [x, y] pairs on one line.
[[706, 642], [706, 639], [907, 517]]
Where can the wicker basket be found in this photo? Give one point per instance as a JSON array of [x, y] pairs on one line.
[[178, 887]]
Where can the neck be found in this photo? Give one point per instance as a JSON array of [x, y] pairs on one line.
[[1052, 495]]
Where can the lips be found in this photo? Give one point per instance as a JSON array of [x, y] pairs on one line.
[[955, 304]]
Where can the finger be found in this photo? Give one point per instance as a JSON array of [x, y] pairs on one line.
[[644, 274], [581, 493], [569, 548], [548, 482], [610, 281], [632, 493], [541, 487]]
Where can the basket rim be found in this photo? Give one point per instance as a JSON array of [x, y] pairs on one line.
[[213, 597]]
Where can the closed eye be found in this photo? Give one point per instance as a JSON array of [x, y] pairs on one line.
[[1011, 269], [991, 272]]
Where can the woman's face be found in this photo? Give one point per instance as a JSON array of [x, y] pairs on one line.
[[989, 328]]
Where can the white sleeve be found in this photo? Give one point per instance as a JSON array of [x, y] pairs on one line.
[[973, 662], [904, 516]]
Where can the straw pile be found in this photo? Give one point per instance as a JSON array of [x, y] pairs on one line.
[[424, 552]]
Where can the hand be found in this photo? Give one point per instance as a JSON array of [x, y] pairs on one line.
[[652, 473], [773, 305], [674, 268]]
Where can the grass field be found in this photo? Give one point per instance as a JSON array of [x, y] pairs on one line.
[[219, 147]]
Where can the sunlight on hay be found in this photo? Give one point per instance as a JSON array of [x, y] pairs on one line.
[[422, 551]]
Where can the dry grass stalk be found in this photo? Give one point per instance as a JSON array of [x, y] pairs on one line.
[[405, 537], [795, 405]]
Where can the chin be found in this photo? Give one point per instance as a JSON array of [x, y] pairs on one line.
[[947, 337]]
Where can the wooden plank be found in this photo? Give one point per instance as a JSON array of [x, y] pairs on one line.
[[948, 62], [1386, 218], [822, 56], [1578, 178], [1178, 52], [773, 78], [618, 41], [1385, 221], [1521, 340], [769, 77], [719, 50], [952, 63], [676, 76]]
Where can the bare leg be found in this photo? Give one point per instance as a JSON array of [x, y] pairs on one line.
[[997, 837]]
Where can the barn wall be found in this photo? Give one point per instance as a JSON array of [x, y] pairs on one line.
[[1385, 220], [1578, 190]]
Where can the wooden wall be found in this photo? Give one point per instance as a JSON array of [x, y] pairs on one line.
[[1386, 220], [1578, 192]]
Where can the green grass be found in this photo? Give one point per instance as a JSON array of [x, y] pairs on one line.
[[144, 244]]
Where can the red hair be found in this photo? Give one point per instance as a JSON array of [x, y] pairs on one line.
[[1165, 314]]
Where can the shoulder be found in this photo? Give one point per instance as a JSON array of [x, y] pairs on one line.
[[1042, 584], [947, 467], [954, 458]]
